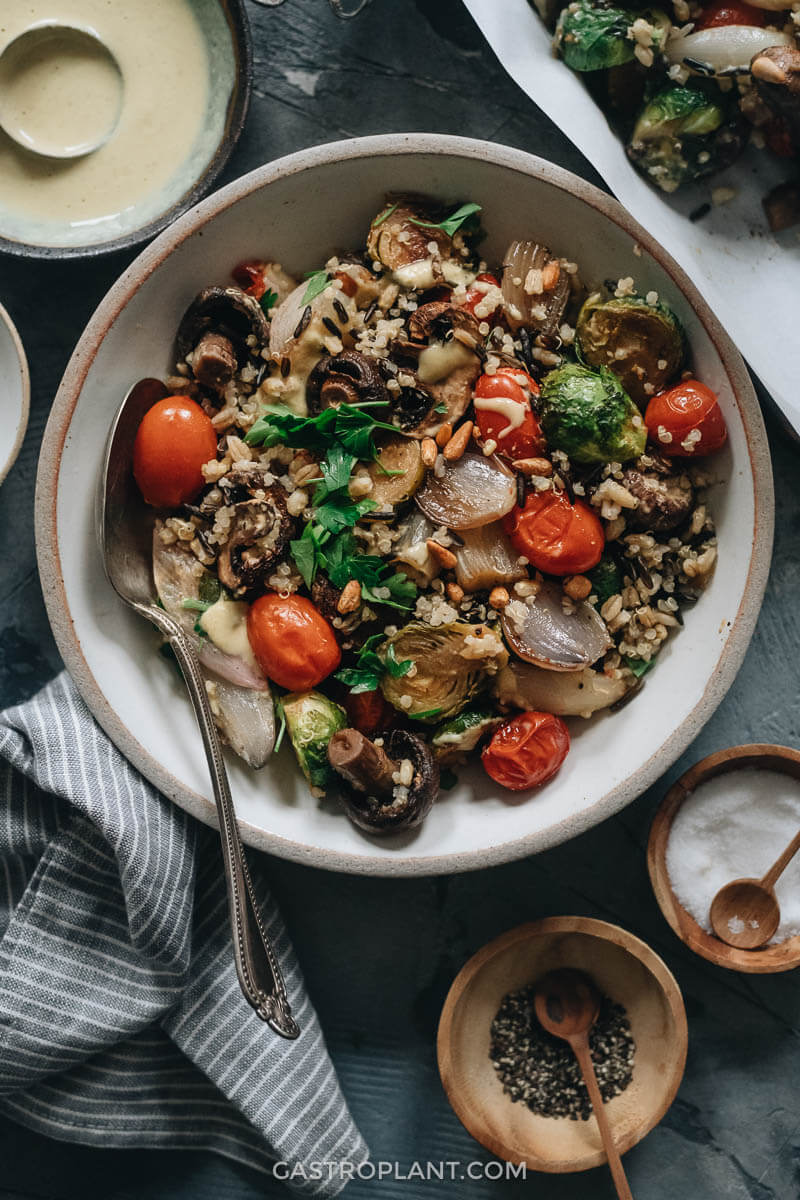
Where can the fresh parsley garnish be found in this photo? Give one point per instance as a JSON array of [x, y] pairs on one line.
[[441, 409], [281, 715], [317, 282], [403, 592], [343, 563], [422, 716], [200, 606], [387, 212], [268, 300], [307, 554], [366, 675], [350, 425], [639, 666], [457, 220]]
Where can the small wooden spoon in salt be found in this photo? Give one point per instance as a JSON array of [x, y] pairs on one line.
[[746, 913], [567, 1005]]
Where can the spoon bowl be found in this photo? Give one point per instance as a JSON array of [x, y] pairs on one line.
[[745, 914], [567, 1002], [60, 90]]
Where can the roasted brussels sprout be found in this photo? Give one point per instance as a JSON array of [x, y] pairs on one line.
[[453, 663], [590, 416], [592, 36], [311, 721], [682, 133], [384, 788], [463, 733], [641, 343]]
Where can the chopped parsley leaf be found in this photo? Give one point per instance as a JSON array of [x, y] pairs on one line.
[[268, 300], [455, 221], [317, 282]]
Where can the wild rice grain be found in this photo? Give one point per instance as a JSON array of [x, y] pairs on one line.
[[302, 324]]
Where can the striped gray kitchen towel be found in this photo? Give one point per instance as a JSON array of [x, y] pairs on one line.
[[121, 1019]]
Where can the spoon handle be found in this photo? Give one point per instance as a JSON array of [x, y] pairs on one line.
[[777, 868], [580, 1045], [257, 966]]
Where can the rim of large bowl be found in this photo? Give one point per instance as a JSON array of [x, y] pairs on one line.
[[120, 294], [238, 105], [25, 389]]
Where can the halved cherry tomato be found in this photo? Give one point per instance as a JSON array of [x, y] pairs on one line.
[[368, 712], [556, 536], [476, 294], [494, 397], [250, 278], [730, 12], [172, 443], [293, 643], [526, 751], [675, 418]]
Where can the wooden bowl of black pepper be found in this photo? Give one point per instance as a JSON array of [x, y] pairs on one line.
[[515, 1089]]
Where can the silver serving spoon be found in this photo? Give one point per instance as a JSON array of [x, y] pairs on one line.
[[40, 55], [125, 530]]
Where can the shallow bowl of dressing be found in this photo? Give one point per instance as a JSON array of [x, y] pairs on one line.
[[783, 956], [623, 968], [185, 75]]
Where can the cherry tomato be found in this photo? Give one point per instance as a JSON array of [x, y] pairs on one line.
[[675, 417], [730, 12], [508, 384], [557, 537], [368, 711], [293, 643], [476, 294], [172, 443], [526, 751], [250, 278]]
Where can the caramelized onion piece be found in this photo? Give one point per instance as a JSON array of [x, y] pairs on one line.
[[567, 694], [546, 635], [543, 310], [473, 491], [486, 558]]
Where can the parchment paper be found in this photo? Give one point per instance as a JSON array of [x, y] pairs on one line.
[[749, 276]]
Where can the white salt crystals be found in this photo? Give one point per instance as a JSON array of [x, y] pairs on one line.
[[735, 826]]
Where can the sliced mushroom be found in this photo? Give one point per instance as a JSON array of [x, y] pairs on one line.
[[346, 378], [369, 794], [400, 244], [215, 329], [776, 74], [442, 354], [664, 500], [258, 532]]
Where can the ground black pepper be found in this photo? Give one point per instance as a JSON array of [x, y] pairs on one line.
[[541, 1070]]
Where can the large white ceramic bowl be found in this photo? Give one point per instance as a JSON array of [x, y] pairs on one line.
[[298, 210]]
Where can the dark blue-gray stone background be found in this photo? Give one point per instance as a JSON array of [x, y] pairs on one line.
[[379, 955]]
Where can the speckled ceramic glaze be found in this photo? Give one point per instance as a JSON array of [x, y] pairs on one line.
[[15, 391], [223, 28], [298, 210]]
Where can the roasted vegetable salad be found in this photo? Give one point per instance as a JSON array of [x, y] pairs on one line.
[[417, 507]]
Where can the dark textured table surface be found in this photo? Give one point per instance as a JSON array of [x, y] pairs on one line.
[[379, 955]]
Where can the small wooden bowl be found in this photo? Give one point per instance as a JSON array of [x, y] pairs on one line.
[[627, 971], [771, 959]]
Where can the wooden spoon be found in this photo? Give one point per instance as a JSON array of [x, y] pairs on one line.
[[746, 913], [567, 1004]]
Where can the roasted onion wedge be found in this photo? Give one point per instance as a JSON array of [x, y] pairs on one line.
[[567, 694], [540, 309], [473, 491], [486, 558], [544, 634], [722, 50]]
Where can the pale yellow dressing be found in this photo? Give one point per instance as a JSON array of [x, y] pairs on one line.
[[440, 359], [225, 622], [164, 68], [512, 410], [416, 275]]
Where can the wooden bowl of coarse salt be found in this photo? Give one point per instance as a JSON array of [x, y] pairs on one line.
[[729, 817], [642, 1012]]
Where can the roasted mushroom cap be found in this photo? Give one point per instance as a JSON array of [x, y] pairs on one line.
[[346, 378], [776, 74], [441, 353], [397, 241], [215, 329], [367, 791], [260, 526], [665, 500]]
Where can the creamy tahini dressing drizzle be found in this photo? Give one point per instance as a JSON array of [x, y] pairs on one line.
[[440, 359], [225, 622], [162, 56], [512, 410]]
